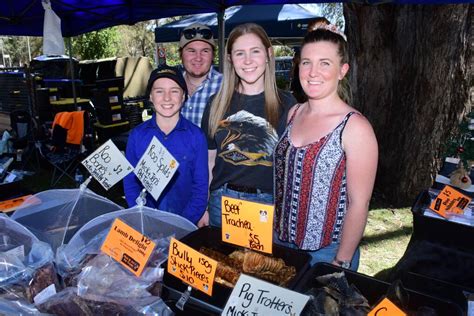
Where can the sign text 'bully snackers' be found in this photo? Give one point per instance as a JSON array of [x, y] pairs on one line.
[[191, 266]]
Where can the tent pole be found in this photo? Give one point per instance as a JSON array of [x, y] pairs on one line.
[[71, 65], [221, 37]]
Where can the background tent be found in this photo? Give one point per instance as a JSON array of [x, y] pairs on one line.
[[286, 23], [25, 17]]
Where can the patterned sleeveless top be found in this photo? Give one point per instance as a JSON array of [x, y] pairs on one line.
[[310, 189]]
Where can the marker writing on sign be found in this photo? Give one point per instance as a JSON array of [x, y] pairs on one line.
[[187, 271], [163, 168], [234, 209], [254, 242], [262, 298]]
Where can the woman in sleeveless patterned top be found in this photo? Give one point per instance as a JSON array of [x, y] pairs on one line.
[[326, 160]]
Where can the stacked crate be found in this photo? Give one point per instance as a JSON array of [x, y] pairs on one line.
[[107, 98]]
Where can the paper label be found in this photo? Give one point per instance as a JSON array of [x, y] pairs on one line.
[[116, 117], [107, 165], [113, 99], [450, 200], [46, 293], [18, 252], [10, 178], [127, 246], [252, 296], [192, 267], [13, 204], [247, 224], [386, 308], [156, 168]]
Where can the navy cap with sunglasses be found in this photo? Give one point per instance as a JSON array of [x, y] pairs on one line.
[[196, 32]]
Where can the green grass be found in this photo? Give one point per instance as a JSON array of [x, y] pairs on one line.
[[385, 240]]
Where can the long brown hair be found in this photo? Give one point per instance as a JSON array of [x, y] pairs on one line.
[[231, 81]]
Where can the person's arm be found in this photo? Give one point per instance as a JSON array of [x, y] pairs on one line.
[[199, 193], [131, 185], [360, 146], [211, 154]]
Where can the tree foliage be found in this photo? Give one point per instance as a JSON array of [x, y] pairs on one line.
[[97, 44]]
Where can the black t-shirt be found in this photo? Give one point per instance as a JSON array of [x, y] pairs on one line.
[[245, 141]]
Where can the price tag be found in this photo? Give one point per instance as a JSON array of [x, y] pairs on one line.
[[191, 266], [386, 308], [107, 165], [127, 246], [450, 200], [156, 168], [247, 224], [252, 296]]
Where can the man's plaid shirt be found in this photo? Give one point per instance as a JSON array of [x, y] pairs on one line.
[[194, 107]]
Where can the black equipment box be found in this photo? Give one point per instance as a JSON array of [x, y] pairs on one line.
[[210, 237]]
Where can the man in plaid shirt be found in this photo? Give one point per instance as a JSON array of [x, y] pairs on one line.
[[196, 47]]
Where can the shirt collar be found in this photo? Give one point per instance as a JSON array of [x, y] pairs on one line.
[[181, 125]]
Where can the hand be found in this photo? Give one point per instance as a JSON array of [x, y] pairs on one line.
[[204, 221]]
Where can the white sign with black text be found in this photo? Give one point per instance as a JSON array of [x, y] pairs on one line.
[[156, 168], [255, 297], [107, 165]]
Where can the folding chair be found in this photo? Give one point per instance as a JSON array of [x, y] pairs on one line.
[[65, 149], [24, 130]]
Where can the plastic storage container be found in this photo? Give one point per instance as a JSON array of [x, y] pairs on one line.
[[374, 290], [211, 237]]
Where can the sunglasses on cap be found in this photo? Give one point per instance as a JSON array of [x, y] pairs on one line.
[[194, 32]]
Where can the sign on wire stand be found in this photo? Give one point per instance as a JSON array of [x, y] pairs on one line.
[[156, 168], [107, 165], [128, 246]]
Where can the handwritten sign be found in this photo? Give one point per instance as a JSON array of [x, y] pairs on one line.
[[191, 266], [247, 224], [255, 297], [156, 168], [127, 246], [107, 165], [386, 308], [450, 200]]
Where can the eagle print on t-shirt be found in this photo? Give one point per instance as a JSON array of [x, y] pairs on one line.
[[250, 140]]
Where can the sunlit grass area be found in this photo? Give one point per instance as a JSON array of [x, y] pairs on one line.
[[385, 239]]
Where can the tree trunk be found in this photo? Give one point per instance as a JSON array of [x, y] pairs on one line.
[[410, 75]]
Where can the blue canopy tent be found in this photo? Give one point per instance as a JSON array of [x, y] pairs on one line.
[[25, 17], [285, 23]]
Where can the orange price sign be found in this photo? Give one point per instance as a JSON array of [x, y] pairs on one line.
[[247, 224], [127, 246], [386, 308], [191, 266], [450, 200]]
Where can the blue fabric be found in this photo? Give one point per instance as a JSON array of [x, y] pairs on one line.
[[186, 193], [325, 254], [194, 107], [214, 205]]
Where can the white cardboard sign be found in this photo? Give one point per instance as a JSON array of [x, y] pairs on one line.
[[107, 165], [156, 168], [255, 297]]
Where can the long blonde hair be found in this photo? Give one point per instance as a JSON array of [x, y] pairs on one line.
[[231, 81]]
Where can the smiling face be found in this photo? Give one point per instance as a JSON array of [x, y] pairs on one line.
[[249, 57], [321, 69], [197, 58], [167, 98]]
